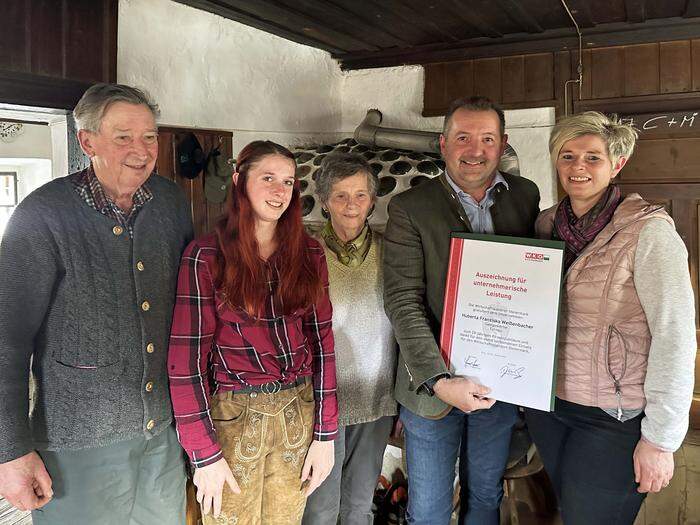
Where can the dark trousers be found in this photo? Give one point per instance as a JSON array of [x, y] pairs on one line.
[[588, 456], [345, 496], [134, 482]]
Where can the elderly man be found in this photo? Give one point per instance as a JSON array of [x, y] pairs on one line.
[[88, 268], [446, 416]]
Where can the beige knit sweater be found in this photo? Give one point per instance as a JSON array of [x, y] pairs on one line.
[[365, 350]]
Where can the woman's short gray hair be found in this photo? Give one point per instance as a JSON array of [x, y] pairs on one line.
[[93, 104], [619, 138], [338, 166]]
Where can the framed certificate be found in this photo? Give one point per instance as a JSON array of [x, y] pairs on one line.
[[501, 315]]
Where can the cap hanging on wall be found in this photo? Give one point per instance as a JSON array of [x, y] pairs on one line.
[[190, 157], [217, 176]]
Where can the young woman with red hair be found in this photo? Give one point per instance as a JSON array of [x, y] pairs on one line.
[[251, 360]]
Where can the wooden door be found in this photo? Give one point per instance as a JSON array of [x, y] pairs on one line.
[[204, 213], [665, 169]]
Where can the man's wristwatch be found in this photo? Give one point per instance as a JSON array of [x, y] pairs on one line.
[[429, 385]]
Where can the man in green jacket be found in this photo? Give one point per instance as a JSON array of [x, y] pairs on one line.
[[445, 417]]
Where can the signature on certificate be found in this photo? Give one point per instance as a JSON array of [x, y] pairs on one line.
[[512, 371], [472, 362]]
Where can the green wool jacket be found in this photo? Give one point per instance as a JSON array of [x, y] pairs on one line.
[[417, 247]]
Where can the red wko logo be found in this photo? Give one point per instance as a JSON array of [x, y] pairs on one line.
[[535, 256]]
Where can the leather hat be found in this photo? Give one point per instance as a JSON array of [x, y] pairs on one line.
[[190, 157]]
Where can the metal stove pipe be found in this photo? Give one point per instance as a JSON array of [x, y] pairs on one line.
[[370, 133]]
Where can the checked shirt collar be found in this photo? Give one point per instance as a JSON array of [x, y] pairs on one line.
[[91, 191]]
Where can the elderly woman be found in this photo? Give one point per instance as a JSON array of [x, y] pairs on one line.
[[627, 340], [364, 345]]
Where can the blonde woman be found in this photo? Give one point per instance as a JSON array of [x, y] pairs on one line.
[[627, 341]]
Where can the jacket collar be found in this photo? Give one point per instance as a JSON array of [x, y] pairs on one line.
[[633, 208], [501, 192]]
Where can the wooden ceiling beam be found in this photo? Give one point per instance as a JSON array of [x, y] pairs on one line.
[[368, 30], [279, 14], [24, 89], [636, 11], [404, 15], [409, 10], [473, 19], [225, 11], [524, 43], [515, 11], [264, 15], [581, 12], [692, 8]]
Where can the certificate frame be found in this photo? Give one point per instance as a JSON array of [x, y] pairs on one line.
[[532, 255]]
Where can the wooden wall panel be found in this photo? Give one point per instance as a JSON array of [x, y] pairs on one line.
[[84, 63], [459, 80], [513, 74], [539, 77], [639, 78], [642, 70], [487, 78], [434, 94], [46, 28], [563, 72], [695, 65], [667, 160], [515, 82], [52, 50], [14, 51], [607, 72], [675, 67]]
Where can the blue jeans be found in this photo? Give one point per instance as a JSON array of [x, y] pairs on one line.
[[481, 440]]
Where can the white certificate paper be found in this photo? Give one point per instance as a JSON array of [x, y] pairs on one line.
[[500, 320]]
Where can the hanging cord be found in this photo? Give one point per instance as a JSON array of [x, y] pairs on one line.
[[579, 68]]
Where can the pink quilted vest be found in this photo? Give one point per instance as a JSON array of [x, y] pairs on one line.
[[604, 339]]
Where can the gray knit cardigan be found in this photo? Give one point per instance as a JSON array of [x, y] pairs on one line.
[[72, 296]]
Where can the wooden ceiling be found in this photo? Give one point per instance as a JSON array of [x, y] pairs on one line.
[[376, 33]]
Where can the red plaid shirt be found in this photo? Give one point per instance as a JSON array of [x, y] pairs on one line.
[[216, 348]]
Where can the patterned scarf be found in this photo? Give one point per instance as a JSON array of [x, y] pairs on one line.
[[578, 232], [351, 253]]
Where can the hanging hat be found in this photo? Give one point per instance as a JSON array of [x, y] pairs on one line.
[[190, 157], [217, 177]]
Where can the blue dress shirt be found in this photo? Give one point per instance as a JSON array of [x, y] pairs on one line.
[[479, 213]]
